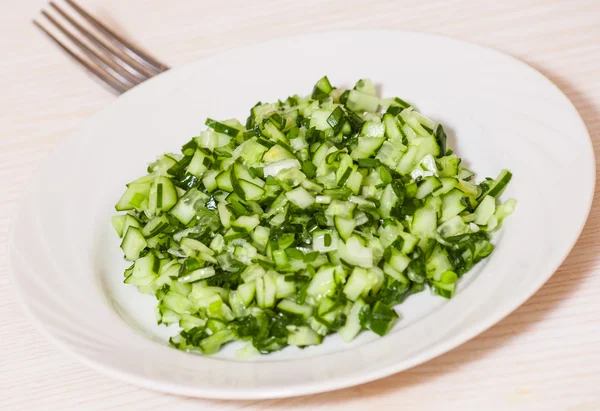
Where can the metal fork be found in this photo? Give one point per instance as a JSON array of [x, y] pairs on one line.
[[110, 58]]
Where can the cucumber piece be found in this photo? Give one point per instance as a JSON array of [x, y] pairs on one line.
[[388, 201], [133, 243], [277, 153], [265, 291], [411, 120], [381, 319], [134, 197], [224, 215], [303, 336], [372, 129], [454, 226], [409, 242], [246, 223], [395, 274], [465, 174], [163, 195], [340, 208], [163, 164], [250, 151], [261, 237], [406, 163], [223, 180], [497, 187], [449, 166], [391, 127], [424, 224], [213, 343], [130, 221], [430, 185], [452, 204], [242, 173], [237, 305], [344, 170], [300, 197], [354, 181], [210, 180], [187, 322], [425, 168], [398, 261], [199, 164], [318, 119], [251, 191], [274, 168], [144, 271], [118, 223], [323, 283], [358, 284], [506, 209], [270, 130], [284, 288], [448, 183], [195, 247], [367, 147], [485, 210], [186, 208], [293, 308], [365, 85], [359, 101], [390, 153], [197, 275], [437, 264], [388, 233], [344, 226], [155, 226], [355, 253], [353, 326], [322, 88], [325, 240], [246, 292]]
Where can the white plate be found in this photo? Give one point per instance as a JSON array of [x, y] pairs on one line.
[[67, 266]]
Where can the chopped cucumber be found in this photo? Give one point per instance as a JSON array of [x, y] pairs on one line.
[[133, 243], [318, 216]]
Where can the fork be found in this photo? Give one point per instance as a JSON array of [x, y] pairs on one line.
[[110, 58]]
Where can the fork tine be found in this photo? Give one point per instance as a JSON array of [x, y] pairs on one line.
[[104, 77], [131, 50], [133, 67], [123, 76]]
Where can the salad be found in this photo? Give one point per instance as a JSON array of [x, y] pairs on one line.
[[317, 216]]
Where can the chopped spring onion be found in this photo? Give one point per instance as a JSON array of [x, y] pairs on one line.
[[318, 216]]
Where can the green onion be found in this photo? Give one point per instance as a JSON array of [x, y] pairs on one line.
[[336, 119], [368, 162], [222, 128]]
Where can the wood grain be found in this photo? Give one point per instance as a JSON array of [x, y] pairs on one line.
[[544, 356]]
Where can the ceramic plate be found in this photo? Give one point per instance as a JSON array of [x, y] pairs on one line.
[[500, 113]]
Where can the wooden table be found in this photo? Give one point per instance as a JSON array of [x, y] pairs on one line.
[[544, 356]]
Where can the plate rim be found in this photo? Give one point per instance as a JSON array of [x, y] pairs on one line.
[[448, 344]]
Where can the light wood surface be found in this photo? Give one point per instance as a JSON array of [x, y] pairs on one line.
[[544, 356]]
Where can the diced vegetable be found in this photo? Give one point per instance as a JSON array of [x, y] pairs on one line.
[[318, 216]]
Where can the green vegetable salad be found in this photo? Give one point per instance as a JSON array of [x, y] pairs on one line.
[[318, 216]]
